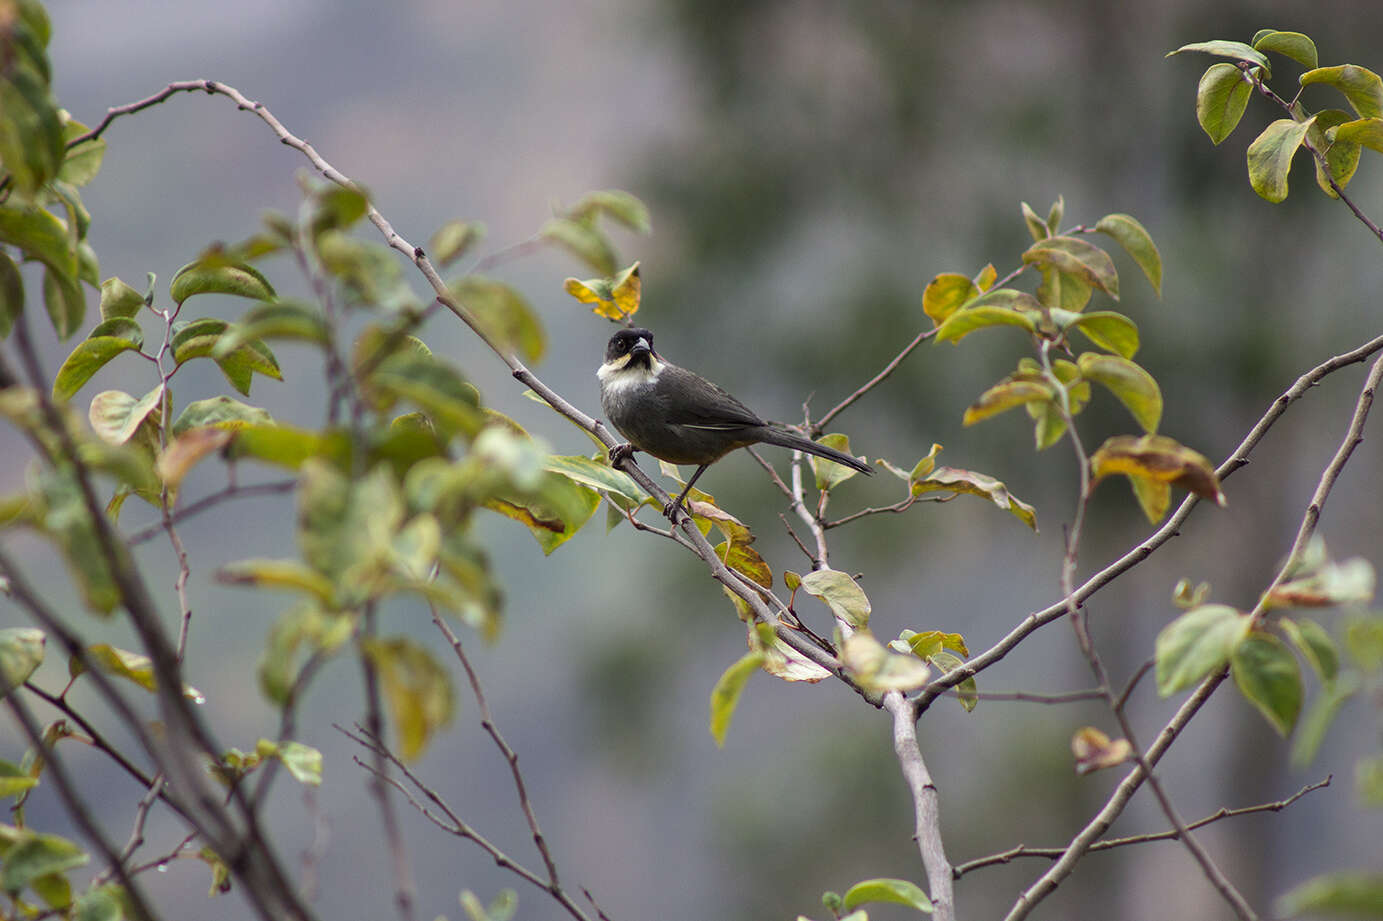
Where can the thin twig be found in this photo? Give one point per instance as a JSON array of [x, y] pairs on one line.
[[78, 809], [405, 891], [232, 491], [511, 758], [1053, 853], [876, 380]]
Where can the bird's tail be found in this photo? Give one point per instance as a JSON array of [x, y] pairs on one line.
[[785, 439]]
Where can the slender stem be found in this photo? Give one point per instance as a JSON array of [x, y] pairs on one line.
[[80, 812], [1053, 853], [820, 424]]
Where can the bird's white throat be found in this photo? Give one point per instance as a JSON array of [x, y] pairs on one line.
[[617, 375]]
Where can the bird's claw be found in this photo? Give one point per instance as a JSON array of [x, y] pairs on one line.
[[621, 453]]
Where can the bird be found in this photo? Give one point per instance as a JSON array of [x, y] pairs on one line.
[[678, 416]]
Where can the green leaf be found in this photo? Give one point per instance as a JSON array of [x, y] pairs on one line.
[[214, 274], [119, 300], [104, 903], [1345, 894], [116, 415], [346, 527], [1270, 156], [453, 239], [553, 511], [1315, 645], [334, 207], [1228, 49], [288, 446], [433, 386], [945, 294], [595, 475], [1319, 717], [21, 651], [31, 135], [725, 696], [1036, 226], [81, 163], [1110, 330], [828, 474], [39, 235], [964, 322], [1221, 98], [1133, 386], [65, 301], [583, 241], [503, 314], [14, 781], [841, 594], [302, 761], [278, 320], [1269, 678], [1197, 643], [1079, 258], [1361, 86], [617, 204], [36, 855], [90, 356], [11, 294], [222, 412], [417, 689], [1294, 45], [895, 891]]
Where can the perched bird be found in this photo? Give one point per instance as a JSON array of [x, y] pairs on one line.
[[681, 417]]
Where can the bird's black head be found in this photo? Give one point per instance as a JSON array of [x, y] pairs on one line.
[[636, 343]]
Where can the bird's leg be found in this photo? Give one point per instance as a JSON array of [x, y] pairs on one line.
[[670, 510], [620, 453]]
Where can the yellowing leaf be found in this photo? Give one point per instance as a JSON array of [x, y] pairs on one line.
[[945, 294], [1014, 390], [953, 479], [417, 690], [1361, 86], [1094, 750], [1158, 459], [115, 415]]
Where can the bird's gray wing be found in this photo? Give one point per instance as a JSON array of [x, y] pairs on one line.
[[701, 404]]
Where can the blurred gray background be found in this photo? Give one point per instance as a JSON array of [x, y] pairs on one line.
[[809, 166]]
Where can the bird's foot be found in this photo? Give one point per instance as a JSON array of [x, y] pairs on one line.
[[621, 453]]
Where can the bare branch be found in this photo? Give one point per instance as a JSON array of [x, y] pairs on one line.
[[926, 807], [201, 505]]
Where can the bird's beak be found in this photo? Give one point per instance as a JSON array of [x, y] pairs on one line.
[[642, 345]]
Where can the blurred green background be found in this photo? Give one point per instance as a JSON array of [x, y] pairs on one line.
[[809, 166]]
